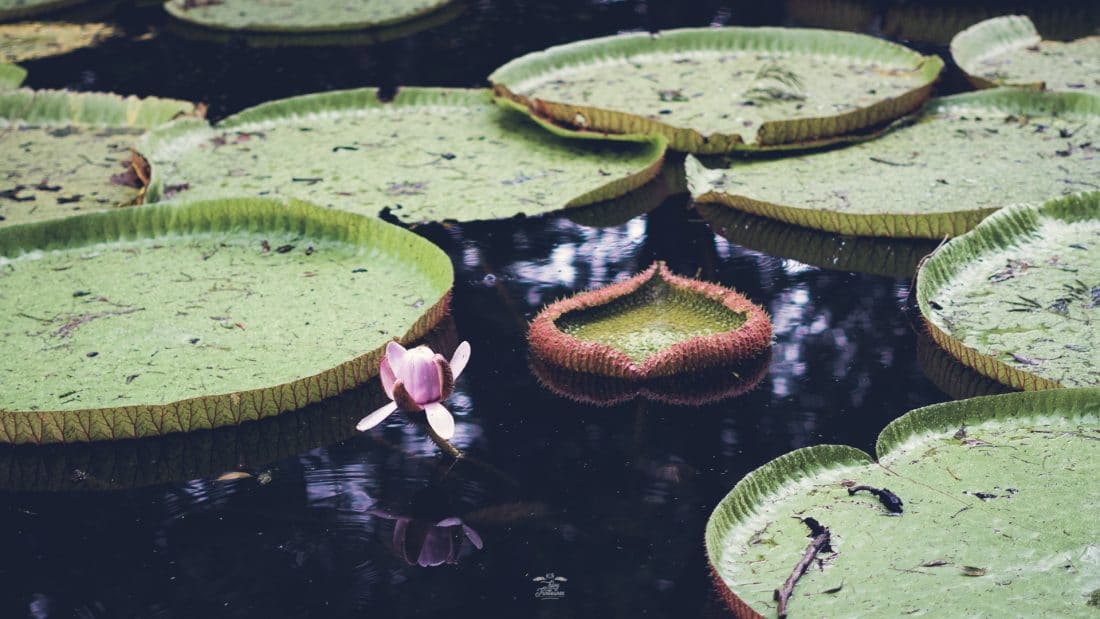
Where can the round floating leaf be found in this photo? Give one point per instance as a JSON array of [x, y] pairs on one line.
[[20, 9], [11, 76], [938, 22], [429, 155], [68, 153], [653, 324], [996, 497], [299, 15], [617, 211], [716, 90], [963, 158], [695, 389], [951, 377], [371, 36], [1018, 298], [891, 258], [1008, 51], [26, 41], [174, 318]]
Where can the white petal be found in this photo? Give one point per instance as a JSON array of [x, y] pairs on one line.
[[396, 354], [375, 418], [460, 358], [440, 419]]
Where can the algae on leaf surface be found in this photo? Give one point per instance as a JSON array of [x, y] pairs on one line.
[[1008, 51], [69, 153], [26, 41], [172, 318], [431, 154], [996, 497], [1018, 298], [716, 90], [300, 15], [964, 157]]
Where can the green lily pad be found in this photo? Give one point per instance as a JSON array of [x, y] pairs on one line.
[[1018, 298], [299, 15], [448, 12], [11, 76], [951, 377], [1008, 51], [11, 10], [938, 22], [172, 318], [997, 500], [716, 90], [963, 158], [429, 155], [30, 40], [651, 325], [859, 254], [69, 153]]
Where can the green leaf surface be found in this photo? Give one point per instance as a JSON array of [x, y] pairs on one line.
[[429, 155], [716, 90], [69, 153], [888, 257], [1008, 51], [1018, 298], [170, 318], [11, 76], [30, 40], [963, 158], [299, 15], [21, 9], [998, 497]]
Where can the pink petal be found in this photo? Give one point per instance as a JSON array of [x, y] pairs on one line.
[[375, 418], [472, 535], [422, 379], [438, 547], [440, 419], [396, 354], [388, 377], [460, 358], [453, 521]]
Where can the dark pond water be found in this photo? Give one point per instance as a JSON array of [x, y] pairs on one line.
[[614, 499]]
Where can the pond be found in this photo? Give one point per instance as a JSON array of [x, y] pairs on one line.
[[330, 522]]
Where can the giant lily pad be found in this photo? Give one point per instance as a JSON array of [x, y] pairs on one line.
[[997, 495], [11, 76], [69, 153], [1008, 51], [173, 318], [429, 155], [19, 9], [951, 377], [26, 41], [963, 158], [887, 257], [938, 22], [651, 325], [299, 15], [716, 90], [1018, 298]]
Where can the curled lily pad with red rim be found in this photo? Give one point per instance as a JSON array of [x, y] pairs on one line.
[[419, 379], [1008, 51], [996, 496], [964, 157], [1018, 297], [171, 318], [429, 154], [653, 324], [717, 90]]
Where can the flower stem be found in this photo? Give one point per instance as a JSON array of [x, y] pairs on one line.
[[443, 444]]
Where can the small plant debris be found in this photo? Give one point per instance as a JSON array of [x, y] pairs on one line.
[[889, 500], [820, 543]]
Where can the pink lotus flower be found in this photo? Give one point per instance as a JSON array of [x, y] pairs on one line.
[[419, 380]]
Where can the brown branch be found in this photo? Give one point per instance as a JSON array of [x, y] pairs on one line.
[[67, 329], [820, 542]]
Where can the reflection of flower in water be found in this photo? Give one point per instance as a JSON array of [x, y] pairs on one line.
[[424, 542]]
